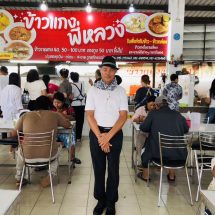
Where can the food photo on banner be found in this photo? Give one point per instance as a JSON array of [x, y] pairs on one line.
[[80, 37]]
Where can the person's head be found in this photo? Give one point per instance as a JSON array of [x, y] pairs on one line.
[[212, 89], [32, 75], [150, 103], [74, 76], [118, 79], [14, 79], [108, 69], [174, 78], [64, 73], [184, 71], [3, 70], [46, 79], [145, 80], [43, 103], [58, 100], [98, 74], [161, 101]]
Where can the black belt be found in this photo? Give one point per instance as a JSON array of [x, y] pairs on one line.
[[104, 129]]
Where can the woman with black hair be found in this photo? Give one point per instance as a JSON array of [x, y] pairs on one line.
[[34, 87], [78, 103], [10, 99], [211, 111], [65, 87]]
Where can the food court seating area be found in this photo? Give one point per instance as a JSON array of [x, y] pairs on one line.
[[77, 197]]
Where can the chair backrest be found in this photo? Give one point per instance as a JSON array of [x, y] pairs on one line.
[[207, 139], [169, 142], [36, 145], [205, 120]]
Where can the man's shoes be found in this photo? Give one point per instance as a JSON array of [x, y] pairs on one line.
[[98, 210], [76, 161], [24, 182], [45, 181], [110, 210]]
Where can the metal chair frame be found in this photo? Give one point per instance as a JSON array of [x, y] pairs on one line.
[[33, 140], [173, 142], [203, 160], [204, 121]]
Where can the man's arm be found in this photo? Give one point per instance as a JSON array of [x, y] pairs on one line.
[[92, 123], [145, 126], [62, 121], [106, 137]]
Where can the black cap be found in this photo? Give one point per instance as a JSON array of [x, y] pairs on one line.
[[109, 61]]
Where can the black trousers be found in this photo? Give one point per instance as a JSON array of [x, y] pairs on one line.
[[99, 165], [79, 118]]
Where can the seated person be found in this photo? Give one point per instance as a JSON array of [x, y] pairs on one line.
[[166, 121], [67, 112], [212, 184], [138, 117], [39, 121]]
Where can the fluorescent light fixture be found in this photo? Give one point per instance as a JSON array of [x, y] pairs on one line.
[[30, 61], [44, 6], [131, 8], [88, 8]]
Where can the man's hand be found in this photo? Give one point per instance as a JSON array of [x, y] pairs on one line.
[[106, 148], [103, 139]]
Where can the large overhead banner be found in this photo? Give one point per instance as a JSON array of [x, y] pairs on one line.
[[81, 37]]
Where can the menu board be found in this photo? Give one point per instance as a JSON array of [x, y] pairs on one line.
[[82, 37]]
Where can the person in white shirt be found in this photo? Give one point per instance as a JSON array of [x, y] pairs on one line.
[[106, 108], [78, 103], [10, 98], [3, 78], [35, 88]]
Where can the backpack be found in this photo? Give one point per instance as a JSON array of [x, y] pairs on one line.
[[83, 97], [143, 101]]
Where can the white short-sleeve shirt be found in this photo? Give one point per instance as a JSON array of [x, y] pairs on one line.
[[106, 105], [35, 88]]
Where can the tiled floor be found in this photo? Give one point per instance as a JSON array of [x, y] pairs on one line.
[[77, 198]]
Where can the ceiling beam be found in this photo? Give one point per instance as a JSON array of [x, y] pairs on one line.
[[105, 6], [199, 20]]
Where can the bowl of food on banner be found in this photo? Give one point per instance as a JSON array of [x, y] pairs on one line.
[[20, 50], [134, 22], [6, 19], [158, 24], [18, 31]]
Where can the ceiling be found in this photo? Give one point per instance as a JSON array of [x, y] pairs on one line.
[[196, 11]]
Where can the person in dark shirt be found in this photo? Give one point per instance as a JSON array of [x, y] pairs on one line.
[[166, 121], [144, 91]]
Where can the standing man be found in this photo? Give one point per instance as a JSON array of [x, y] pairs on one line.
[[173, 92], [106, 109]]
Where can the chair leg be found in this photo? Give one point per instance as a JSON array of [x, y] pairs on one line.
[[58, 171], [188, 183], [135, 167], [199, 184], [22, 176], [29, 175], [52, 191], [191, 163], [160, 185], [197, 164]]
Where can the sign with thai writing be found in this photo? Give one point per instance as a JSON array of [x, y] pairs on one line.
[[81, 37]]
